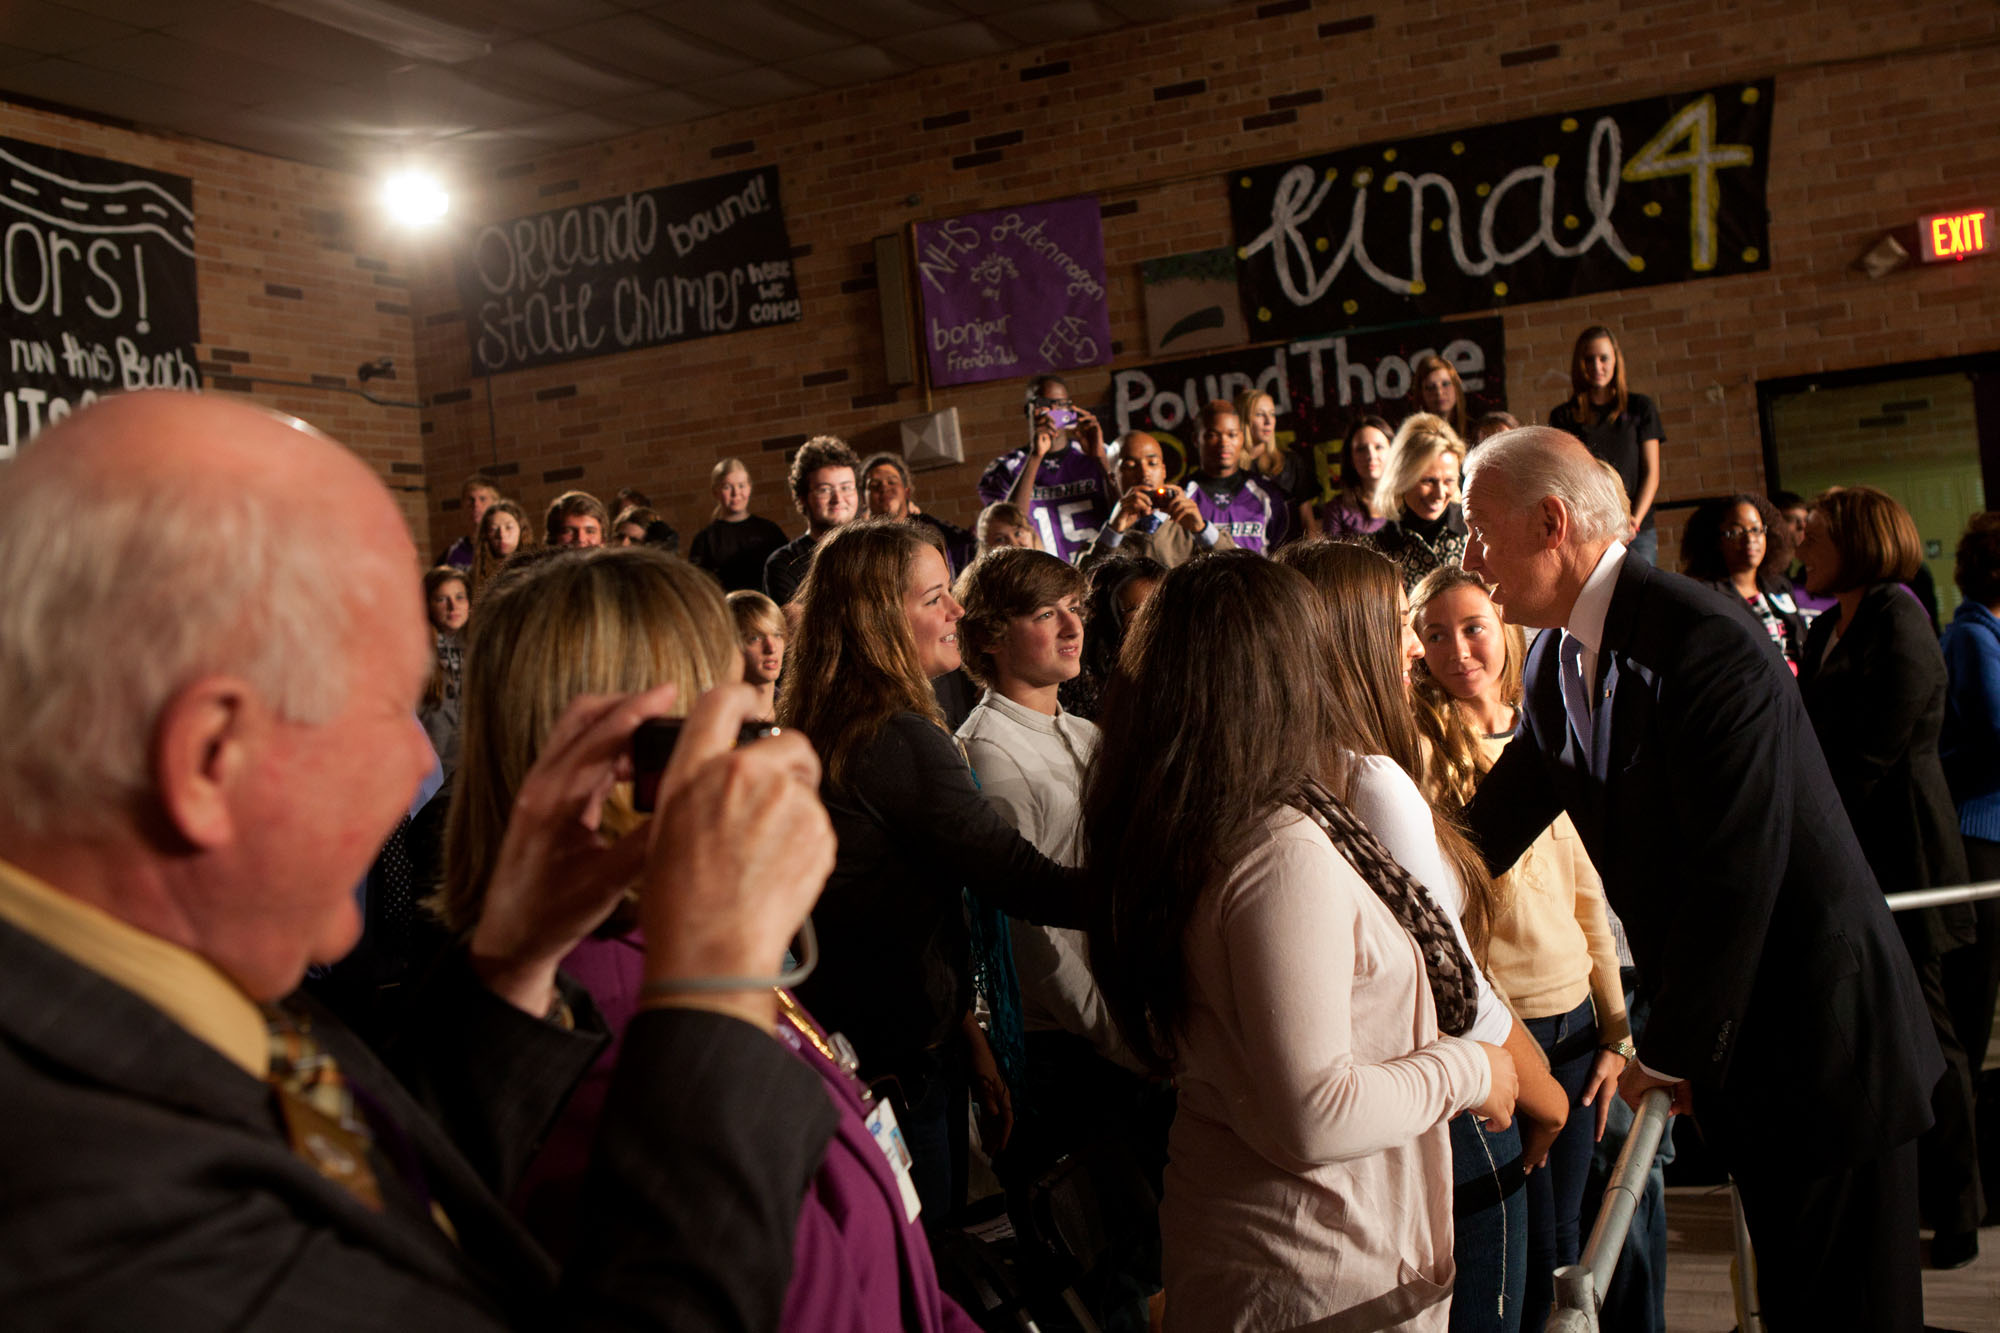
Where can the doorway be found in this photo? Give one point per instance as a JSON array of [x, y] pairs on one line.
[[1927, 432]]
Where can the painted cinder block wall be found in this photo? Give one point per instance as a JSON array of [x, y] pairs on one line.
[[1884, 112], [297, 280]]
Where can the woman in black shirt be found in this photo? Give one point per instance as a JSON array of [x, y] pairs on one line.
[[735, 546], [1619, 426], [877, 624]]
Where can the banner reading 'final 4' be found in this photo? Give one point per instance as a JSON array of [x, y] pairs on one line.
[[1660, 190]]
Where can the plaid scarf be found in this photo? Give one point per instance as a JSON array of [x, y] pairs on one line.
[[1454, 984]]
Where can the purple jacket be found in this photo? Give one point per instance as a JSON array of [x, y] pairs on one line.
[[1072, 496], [857, 1265], [1246, 507]]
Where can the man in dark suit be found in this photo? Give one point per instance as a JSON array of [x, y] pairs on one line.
[[1785, 1015], [206, 731]]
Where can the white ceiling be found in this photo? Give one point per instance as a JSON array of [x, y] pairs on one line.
[[350, 83]]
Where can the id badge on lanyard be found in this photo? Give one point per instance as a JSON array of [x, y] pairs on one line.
[[888, 1136]]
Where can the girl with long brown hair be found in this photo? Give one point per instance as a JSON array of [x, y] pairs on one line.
[[503, 530], [1253, 938], [1378, 756], [877, 625]]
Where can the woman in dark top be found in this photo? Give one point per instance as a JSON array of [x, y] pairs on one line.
[[735, 545], [1364, 455], [1874, 683], [1420, 486], [895, 977], [1740, 545], [1619, 426]]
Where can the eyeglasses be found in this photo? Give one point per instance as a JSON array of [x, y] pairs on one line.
[[1736, 532], [828, 490]]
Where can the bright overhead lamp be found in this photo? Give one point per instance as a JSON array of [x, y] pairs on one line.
[[415, 198]]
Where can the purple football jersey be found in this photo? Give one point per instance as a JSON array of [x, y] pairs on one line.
[[1072, 496], [1243, 506]]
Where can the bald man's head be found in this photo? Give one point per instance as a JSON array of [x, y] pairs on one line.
[[148, 541], [1140, 462]]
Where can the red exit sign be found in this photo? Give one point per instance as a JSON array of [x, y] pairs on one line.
[[1959, 235]]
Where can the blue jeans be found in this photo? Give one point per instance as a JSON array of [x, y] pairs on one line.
[[1636, 1300], [1647, 545], [930, 1105], [1490, 1228], [1555, 1194]]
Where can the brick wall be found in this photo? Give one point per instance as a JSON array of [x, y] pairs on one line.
[[1883, 112], [296, 282]]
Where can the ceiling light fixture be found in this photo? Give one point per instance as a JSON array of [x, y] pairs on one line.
[[417, 36], [415, 198]]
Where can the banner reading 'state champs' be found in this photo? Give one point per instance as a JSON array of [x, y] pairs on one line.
[[97, 284], [1661, 190]]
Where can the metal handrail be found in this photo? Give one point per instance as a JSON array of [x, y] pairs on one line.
[[1578, 1285], [1958, 893]]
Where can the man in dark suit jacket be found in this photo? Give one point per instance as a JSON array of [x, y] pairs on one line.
[[1785, 1015], [182, 820]]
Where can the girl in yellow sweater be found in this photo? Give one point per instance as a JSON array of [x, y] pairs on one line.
[[1551, 950]]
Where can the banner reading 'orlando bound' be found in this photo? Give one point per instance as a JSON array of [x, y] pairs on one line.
[[1655, 191], [97, 284], [660, 266]]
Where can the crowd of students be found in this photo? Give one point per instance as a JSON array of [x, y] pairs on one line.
[[1227, 842], [952, 954]]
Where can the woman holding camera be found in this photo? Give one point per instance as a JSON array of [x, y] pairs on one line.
[[618, 622], [1255, 940], [878, 623]]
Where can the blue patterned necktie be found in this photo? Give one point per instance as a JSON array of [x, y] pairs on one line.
[[1576, 690]]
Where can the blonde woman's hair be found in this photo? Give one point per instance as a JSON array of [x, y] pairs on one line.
[[1268, 462], [853, 663], [1456, 761], [1003, 511], [606, 620], [1419, 440], [755, 613], [720, 473]]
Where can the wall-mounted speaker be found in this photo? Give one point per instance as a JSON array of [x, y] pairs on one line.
[[931, 440]]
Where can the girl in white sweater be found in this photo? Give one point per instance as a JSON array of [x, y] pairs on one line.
[[1255, 940]]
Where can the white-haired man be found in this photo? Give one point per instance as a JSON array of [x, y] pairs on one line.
[[1785, 1014], [182, 820]]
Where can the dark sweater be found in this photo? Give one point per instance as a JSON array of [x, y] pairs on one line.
[[894, 972]]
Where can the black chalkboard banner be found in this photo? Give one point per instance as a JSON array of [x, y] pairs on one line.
[[97, 284], [1633, 195], [636, 270]]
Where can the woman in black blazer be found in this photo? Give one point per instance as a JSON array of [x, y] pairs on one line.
[[1874, 683]]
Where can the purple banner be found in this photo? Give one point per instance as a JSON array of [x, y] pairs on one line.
[[1013, 293]]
